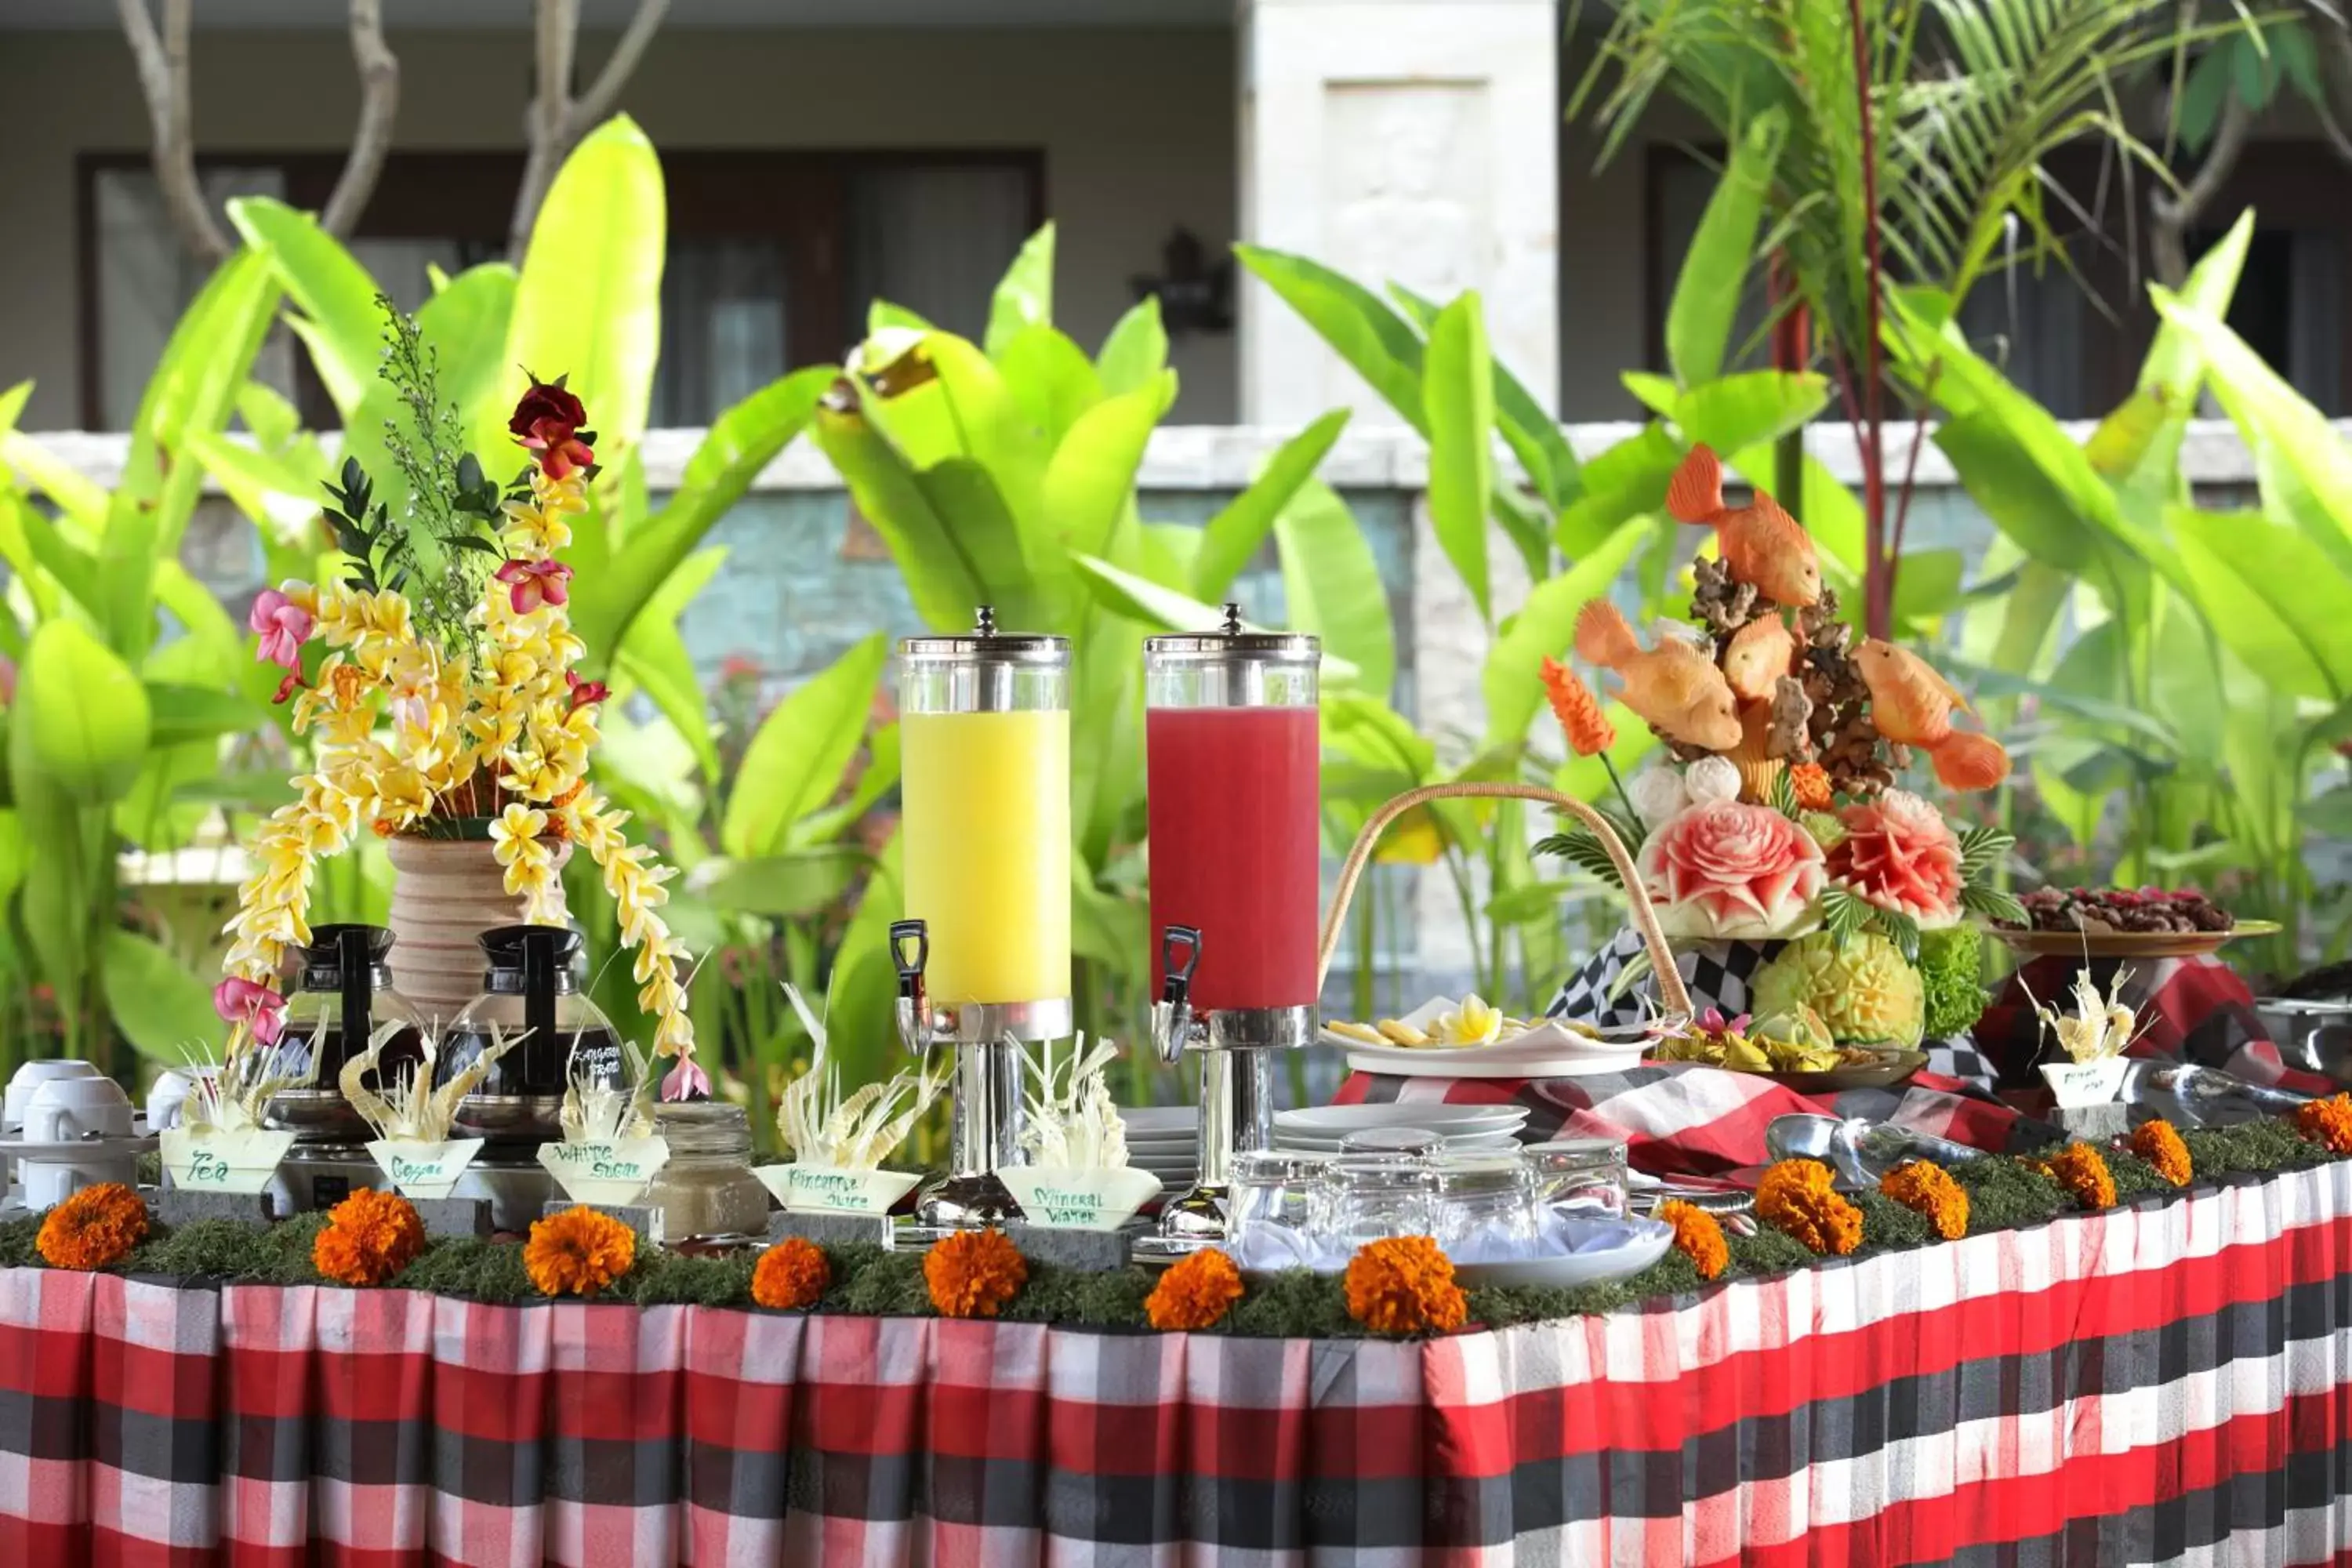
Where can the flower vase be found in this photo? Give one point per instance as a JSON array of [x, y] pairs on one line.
[[445, 893]]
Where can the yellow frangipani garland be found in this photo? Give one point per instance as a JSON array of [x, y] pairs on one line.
[[404, 731]]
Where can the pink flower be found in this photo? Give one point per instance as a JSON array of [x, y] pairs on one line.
[[584, 693], [283, 626], [1900, 854], [253, 1004], [1713, 1022], [1729, 870], [686, 1081], [535, 583]]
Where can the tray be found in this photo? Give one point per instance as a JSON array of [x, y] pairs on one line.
[[1898, 1067], [1547, 1050], [1646, 1246], [2129, 943]]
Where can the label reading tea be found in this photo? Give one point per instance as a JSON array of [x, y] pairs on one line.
[[214, 1161]]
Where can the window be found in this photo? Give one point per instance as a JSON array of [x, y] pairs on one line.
[[773, 256]]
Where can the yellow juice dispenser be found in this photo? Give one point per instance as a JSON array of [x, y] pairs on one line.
[[983, 952]]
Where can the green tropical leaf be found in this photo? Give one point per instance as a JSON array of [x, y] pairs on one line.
[[1332, 585], [1233, 537], [1996, 904], [340, 322], [793, 885], [1581, 848], [732, 452], [797, 757], [654, 656], [80, 720], [160, 1009], [1512, 680], [588, 304], [2274, 595], [1715, 269], [1025, 296], [179, 714], [1458, 396], [1136, 351], [1531, 432], [1846, 913], [1358, 324], [1167, 610]]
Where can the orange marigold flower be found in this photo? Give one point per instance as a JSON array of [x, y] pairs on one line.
[[1578, 712], [973, 1273], [1811, 781], [1698, 1236], [1798, 1196], [368, 1238], [1930, 1191], [2327, 1121], [2083, 1172], [95, 1228], [578, 1252], [1196, 1293], [1404, 1285], [792, 1275], [2158, 1144]]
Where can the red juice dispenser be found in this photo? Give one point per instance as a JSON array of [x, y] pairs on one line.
[[1233, 745]]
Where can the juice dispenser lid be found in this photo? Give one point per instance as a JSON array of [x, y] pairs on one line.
[[504, 948], [322, 956], [1234, 641], [985, 645]]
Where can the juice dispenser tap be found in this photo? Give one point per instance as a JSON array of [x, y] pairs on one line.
[[1233, 745], [983, 954]]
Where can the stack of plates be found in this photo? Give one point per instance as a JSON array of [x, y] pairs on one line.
[[1164, 1140], [1318, 1130]]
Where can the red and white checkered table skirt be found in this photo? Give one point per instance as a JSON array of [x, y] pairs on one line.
[[2165, 1383]]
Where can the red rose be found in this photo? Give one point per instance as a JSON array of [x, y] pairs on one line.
[[546, 402], [1728, 869]]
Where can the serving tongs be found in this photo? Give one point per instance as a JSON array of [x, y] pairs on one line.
[[1858, 1150]]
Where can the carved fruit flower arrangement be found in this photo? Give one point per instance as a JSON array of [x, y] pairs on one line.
[[1777, 814], [441, 697]]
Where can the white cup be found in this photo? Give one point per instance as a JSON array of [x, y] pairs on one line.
[[65, 1110], [27, 1082], [167, 1097]]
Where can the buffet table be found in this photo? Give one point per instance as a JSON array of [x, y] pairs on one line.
[[2129, 1385]]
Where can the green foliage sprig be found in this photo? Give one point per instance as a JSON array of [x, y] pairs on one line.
[[441, 550], [1580, 847]]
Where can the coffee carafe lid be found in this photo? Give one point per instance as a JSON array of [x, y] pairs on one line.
[[332, 945], [511, 950]]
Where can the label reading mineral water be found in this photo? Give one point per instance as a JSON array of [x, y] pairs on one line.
[[1065, 1206]]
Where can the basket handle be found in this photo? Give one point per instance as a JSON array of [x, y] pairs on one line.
[[1645, 918]]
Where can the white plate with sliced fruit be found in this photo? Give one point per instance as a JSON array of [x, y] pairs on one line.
[[1444, 1038]]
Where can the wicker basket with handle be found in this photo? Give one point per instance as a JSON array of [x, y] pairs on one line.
[[1671, 991]]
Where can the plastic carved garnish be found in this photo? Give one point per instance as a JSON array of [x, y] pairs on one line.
[[861, 1132]]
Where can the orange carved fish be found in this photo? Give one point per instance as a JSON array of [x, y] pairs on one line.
[[1911, 703], [1758, 656], [1761, 544], [1674, 687]]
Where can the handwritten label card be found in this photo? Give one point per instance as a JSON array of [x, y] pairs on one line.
[[213, 1162], [1069, 1197], [424, 1169], [609, 1171], [825, 1189]]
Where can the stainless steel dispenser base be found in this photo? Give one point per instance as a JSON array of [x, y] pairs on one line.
[[972, 1200], [1235, 1046]]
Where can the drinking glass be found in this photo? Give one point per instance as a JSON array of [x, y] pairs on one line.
[[1487, 1205], [1371, 1198], [1581, 1175], [1407, 1142], [1277, 1192]]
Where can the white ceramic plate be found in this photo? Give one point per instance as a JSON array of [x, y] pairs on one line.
[[1146, 1119], [1430, 1115], [1644, 1243], [1494, 1061], [100, 1148], [1480, 1143]]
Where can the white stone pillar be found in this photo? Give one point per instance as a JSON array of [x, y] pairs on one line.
[[1413, 141]]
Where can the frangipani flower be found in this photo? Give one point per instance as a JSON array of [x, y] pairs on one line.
[[260, 1010], [535, 583], [283, 626]]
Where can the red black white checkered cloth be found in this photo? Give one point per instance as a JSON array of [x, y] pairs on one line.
[[2171, 1383]]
